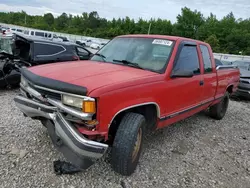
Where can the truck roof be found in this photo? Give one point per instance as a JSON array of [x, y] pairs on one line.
[[169, 37]]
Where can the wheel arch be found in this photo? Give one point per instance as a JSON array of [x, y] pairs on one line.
[[230, 88], [135, 106], [151, 111]]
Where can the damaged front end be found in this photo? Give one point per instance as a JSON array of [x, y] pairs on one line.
[[11, 60], [9, 71], [62, 121], [9, 74]]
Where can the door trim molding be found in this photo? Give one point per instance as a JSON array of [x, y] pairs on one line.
[[164, 118]]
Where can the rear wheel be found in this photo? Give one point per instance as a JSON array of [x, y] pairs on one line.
[[219, 110], [127, 144]]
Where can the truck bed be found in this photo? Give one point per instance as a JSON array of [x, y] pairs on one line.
[[226, 75]]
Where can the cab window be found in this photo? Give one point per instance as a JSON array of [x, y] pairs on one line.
[[188, 60], [206, 59]]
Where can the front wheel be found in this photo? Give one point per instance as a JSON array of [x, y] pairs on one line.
[[128, 144], [219, 110]]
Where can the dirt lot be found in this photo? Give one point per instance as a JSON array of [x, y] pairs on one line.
[[197, 152]]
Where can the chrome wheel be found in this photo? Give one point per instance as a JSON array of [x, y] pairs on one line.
[[137, 145]]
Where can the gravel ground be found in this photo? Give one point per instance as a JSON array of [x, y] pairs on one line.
[[197, 152]]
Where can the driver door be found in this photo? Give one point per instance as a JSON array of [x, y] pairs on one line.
[[185, 93]]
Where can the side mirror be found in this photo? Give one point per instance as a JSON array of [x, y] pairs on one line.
[[182, 74]]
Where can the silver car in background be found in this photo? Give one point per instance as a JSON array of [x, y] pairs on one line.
[[244, 85]]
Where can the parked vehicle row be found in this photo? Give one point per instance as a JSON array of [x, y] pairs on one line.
[[84, 42], [244, 85], [34, 33], [90, 43], [133, 85], [22, 50], [10, 31], [43, 34]]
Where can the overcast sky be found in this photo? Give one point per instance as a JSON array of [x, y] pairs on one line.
[[166, 9]]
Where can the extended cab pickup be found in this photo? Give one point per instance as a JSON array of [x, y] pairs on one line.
[[133, 85]]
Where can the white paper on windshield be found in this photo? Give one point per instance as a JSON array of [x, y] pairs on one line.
[[162, 42]]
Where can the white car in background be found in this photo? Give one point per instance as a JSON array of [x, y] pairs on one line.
[[43, 34], [84, 42], [16, 30], [96, 45]]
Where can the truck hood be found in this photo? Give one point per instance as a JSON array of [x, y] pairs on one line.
[[90, 74]]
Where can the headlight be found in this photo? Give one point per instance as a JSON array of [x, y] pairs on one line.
[[85, 105]]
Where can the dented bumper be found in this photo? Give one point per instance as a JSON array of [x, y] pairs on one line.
[[76, 148]]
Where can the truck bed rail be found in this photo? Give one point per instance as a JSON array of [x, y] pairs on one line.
[[226, 67]]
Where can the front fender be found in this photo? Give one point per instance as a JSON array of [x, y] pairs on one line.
[[109, 109]]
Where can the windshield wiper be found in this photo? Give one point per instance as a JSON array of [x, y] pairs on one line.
[[102, 56], [126, 62]]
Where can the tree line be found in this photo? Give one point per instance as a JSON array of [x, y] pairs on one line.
[[226, 35]]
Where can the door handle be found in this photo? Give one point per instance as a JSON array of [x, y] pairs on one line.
[[201, 82]]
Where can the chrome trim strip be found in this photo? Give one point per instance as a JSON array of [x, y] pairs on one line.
[[81, 115], [33, 112], [188, 109], [36, 103], [64, 93], [226, 66], [137, 105]]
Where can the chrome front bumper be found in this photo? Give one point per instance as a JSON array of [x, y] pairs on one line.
[[63, 129]]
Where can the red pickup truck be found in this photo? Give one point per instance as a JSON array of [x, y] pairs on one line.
[[133, 85]]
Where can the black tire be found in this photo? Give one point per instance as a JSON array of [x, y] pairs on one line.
[[219, 110], [123, 158]]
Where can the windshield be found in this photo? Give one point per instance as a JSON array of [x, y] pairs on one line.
[[243, 65], [148, 53]]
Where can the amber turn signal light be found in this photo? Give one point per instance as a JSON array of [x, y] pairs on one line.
[[88, 107]]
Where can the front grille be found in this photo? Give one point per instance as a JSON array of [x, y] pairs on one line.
[[48, 94]]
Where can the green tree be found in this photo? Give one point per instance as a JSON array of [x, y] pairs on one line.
[[188, 23], [49, 19], [62, 22], [214, 42], [229, 35]]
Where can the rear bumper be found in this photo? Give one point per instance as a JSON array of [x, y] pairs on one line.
[[64, 135], [243, 93], [243, 88]]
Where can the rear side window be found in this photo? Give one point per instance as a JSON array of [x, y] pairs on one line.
[[32, 32], [188, 60], [40, 34], [45, 49], [26, 32], [206, 59]]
